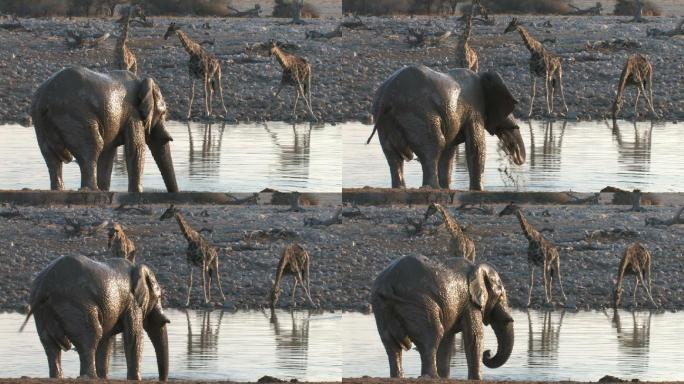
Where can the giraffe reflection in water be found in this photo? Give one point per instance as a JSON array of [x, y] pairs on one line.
[[203, 346], [542, 345], [633, 340], [548, 157], [205, 160], [292, 341], [293, 156], [634, 155]]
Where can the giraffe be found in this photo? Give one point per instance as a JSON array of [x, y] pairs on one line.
[[203, 66], [123, 56], [542, 64], [297, 72], [540, 253], [638, 72], [461, 244], [295, 261], [120, 244], [466, 57], [199, 254], [636, 260]]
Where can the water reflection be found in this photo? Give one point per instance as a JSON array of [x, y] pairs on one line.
[[293, 336], [203, 346], [205, 160], [294, 155], [542, 345], [548, 157], [635, 155]]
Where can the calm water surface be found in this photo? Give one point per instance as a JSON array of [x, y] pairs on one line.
[[207, 157], [247, 345], [561, 156]]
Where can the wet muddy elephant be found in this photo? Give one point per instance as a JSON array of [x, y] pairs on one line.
[[416, 300], [78, 301], [82, 114], [427, 113]]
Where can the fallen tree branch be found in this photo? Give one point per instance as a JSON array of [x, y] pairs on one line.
[[254, 12], [73, 227], [335, 219], [337, 32], [418, 38], [655, 32], [75, 39], [677, 219]]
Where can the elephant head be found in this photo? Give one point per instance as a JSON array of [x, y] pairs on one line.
[[489, 296], [499, 104], [152, 110], [147, 295]]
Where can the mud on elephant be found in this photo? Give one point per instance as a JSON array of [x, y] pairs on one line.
[[82, 114], [416, 300], [427, 113], [78, 301]]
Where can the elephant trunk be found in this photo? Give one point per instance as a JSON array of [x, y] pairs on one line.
[[502, 324], [159, 338], [162, 156], [513, 144]]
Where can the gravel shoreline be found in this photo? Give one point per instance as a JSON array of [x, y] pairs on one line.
[[347, 257], [347, 70]]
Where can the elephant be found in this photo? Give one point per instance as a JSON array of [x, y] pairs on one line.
[[422, 301], [85, 302], [427, 113], [82, 114]]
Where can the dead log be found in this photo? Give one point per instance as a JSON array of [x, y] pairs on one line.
[[337, 32], [254, 12], [677, 219], [592, 11], [73, 227], [249, 200], [75, 39], [418, 38], [335, 219], [269, 235], [655, 32], [613, 234], [356, 23]]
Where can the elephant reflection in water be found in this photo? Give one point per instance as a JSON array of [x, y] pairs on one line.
[[544, 343], [292, 342], [634, 155], [635, 340], [206, 342], [293, 158], [548, 157], [207, 159]]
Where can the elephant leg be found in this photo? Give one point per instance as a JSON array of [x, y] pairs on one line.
[[192, 96], [446, 166], [394, 159], [187, 302], [88, 173], [475, 154], [55, 169], [103, 354], [424, 328], [473, 343], [533, 92], [133, 341], [529, 295], [427, 143], [429, 166], [444, 352], [53, 353], [134, 146], [104, 168], [86, 343]]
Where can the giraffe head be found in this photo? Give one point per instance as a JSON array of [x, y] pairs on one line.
[[513, 25], [432, 209], [114, 231], [136, 11], [173, 27], [272, 47], [169, 213], [510, 209]]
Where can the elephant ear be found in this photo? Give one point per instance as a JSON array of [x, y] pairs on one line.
[[151, 103], [485, 287], [499, 102], [145, 286]]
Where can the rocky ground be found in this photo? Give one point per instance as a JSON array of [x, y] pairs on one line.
[[347, 70], [347, 257]]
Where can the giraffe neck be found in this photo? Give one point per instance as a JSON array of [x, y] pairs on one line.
[[189, 233], [529, 232], [124, 31], [452, 226], [282, 57], [468, 25], [530, 42], [192, 48]]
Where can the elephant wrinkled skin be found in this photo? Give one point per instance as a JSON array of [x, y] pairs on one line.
[[427, 113], [416, 300], [87, 115], [85, 302]]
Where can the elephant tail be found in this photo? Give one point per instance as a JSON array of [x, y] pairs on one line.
[[28, 316]]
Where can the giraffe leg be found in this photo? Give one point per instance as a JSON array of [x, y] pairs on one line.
[[529, 295], [307, 101], [280, 88], [560, 280], [220, 92], [549, 95], [187, 302], [305, 288], [552, 93], [294, 110], [218, 277], [205, 282], [532, 93], [294, 291], [636, 288], [562, 92], [545, 276], [192, 97], [636, 103], [207, 97], [647, 288]]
